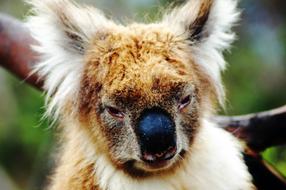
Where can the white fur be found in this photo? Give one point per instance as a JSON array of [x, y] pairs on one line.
[[215, 163], [60, 65], [208, 53]]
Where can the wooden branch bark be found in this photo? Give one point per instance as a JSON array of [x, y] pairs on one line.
[[15, 52], [265, 177], [259, 130]]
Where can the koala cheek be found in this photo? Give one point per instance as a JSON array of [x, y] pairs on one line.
[[122, 141], [182, 139]]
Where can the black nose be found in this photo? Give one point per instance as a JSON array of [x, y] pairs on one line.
[[157, 135]]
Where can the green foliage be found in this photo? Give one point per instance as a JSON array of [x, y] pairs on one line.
[[25, 140]]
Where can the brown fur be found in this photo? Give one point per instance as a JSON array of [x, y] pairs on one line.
[[73, 171]]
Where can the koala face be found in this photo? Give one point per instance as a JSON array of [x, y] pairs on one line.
[[142, 98]]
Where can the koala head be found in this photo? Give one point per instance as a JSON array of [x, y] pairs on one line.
[[141, 90]]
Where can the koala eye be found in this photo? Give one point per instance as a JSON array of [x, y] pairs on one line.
[[115, 112], [184, 102]]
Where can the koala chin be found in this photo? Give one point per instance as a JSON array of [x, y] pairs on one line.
[[133, 100]]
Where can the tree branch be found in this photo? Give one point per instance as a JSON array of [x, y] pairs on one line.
[[259, 130], [265, 177], [15, 52]]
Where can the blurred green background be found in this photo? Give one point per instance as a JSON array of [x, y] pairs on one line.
[[255, 81]]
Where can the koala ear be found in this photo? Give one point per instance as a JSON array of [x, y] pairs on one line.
[[203, 20], [206, 25], [64, 24], [63, 31]]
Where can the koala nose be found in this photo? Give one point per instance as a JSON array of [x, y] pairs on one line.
[[157, 135]]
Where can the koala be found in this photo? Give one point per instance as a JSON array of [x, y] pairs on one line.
[[133, 100]]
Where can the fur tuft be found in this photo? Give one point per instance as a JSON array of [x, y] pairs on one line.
[[63, 31]]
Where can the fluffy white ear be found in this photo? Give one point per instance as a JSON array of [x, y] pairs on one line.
[[206, 24], [63, 31]]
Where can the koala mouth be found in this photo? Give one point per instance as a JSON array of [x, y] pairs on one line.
[[156, 166], [141, 168], [162, 164], [159, 160]]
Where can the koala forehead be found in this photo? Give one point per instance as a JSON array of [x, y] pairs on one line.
[[137, 61]]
